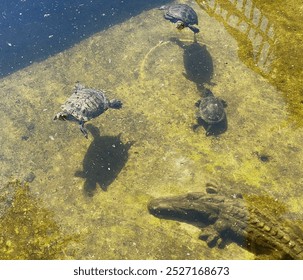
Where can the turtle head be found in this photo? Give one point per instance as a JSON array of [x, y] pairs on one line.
[[60, 116], [180, 25]]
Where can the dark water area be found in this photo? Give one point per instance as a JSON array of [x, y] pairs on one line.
[[31, 31]]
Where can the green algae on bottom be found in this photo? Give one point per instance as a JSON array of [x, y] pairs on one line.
[[28, 231]]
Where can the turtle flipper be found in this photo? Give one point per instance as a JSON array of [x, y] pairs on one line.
[[194, 29], [83, 130], [79, 86], [211, 237], [60, 116], [208, 130]]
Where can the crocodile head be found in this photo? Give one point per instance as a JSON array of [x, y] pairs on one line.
[[195, 208]]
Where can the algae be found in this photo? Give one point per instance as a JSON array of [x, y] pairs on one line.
[[29, 231]]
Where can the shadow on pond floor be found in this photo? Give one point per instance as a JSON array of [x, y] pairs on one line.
[[198, 65], [105, 158], [211, 130], [197, 61]]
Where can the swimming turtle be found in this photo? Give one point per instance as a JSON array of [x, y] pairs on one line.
[[211, 111], [181, 14], [85, 104]]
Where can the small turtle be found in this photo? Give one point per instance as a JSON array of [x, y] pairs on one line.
[[211, 111], [182, 14], [85, 104]]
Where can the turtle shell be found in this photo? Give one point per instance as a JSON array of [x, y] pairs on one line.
[[182, 12], [211, 109], [85, 103]]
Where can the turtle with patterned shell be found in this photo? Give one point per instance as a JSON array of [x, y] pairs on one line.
[[181, 14], [211, 111], [85, 104]]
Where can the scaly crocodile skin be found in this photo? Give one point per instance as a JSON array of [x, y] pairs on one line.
[[231, 219]]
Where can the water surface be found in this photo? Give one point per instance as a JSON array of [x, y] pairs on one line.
[[94, 192]]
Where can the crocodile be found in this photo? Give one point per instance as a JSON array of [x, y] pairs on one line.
[[225, 219]]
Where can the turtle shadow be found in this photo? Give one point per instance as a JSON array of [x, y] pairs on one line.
[[214, 129], [198, 62], [104, 159]]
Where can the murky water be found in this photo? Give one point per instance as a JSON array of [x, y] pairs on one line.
[[87, 199]]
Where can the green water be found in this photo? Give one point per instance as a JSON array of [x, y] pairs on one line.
[[148, 149]]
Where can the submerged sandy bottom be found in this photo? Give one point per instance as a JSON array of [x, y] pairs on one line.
[[147, 149]]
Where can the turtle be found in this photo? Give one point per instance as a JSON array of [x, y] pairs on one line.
[[211, 111], [85, 104], [181, 14]]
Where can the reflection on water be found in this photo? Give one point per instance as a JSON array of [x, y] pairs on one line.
[[269, 38], [246, 22]]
